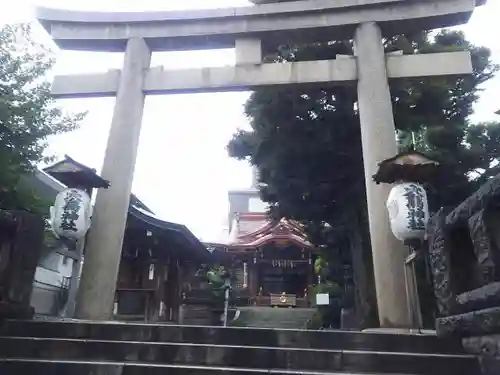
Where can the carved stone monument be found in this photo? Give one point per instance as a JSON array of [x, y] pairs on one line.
[[465, 263], [250, 30]]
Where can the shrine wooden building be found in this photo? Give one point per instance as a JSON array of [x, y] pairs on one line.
[[272, 261], [158, 259]]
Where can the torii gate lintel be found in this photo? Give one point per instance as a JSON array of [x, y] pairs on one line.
[[341, 71]]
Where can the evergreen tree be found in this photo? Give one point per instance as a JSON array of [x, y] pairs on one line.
[[28, 115]]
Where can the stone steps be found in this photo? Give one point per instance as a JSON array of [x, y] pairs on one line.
[[56, 348], [30, 367], [336, 340], [233, 356]]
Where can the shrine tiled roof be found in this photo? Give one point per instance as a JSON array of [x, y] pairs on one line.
[[256, 229], [152, 222], [72, 173]]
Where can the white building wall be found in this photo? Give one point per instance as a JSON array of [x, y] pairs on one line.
[[51, 278]]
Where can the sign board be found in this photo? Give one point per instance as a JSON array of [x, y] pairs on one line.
[[322, 299]]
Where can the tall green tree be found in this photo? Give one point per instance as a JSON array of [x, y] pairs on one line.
[[28, 115], [306, 143]]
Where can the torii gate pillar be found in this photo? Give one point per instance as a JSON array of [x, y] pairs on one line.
[[98, 283], [378, 137]]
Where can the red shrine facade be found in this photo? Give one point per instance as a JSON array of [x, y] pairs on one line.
[[272, 262]]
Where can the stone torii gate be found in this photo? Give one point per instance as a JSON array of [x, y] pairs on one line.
[[250, 30]]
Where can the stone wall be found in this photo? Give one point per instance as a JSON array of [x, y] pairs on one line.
[[464, 254], [21, 238]]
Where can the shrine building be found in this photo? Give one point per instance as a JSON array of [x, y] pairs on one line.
[[272, 261]]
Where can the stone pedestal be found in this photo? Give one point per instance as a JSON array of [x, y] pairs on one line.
[[104, 244], [378, 136]]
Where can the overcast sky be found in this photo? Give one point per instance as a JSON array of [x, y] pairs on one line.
[[183, 172]]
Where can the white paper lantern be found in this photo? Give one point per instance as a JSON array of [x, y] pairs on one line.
[[408, 211], [70, 215]]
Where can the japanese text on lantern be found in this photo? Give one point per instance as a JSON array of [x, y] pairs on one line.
[[70, 213], [415, 205]]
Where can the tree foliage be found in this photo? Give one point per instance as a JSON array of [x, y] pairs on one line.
[[306, 142], [28, 115]]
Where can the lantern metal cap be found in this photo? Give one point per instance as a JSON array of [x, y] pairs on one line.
[[408, 166]]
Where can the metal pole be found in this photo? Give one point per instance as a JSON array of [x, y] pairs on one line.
[[411, 287], [408, 299], [69, 308], [226, 303]]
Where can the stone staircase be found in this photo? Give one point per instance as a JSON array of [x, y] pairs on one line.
[[90, 348], [268, 317]]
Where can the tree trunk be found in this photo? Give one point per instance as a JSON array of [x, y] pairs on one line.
[[365, 298]]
